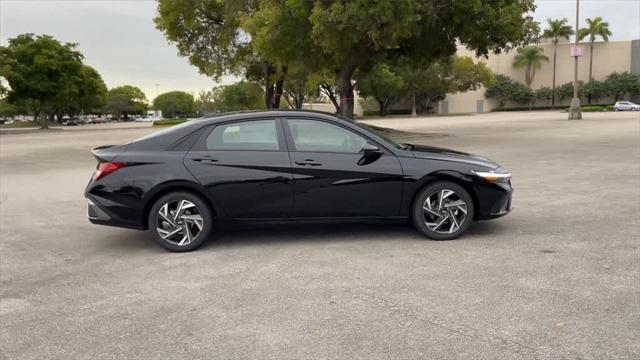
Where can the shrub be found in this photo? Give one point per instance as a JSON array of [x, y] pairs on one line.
[[168, 122], [592, 108]]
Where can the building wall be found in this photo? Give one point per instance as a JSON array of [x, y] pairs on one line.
[[607, 57]]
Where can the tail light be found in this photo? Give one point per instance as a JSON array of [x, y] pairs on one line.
[[106, 168]]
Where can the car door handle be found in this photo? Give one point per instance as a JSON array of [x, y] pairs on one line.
[[205, 160], [308, 162]]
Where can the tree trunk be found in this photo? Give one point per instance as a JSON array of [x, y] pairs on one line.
[[267, 71], [414, 113], [328, 90], [382, 107], [590, 71], [553, 83], [278, 88], [44, 124], [345, 90]]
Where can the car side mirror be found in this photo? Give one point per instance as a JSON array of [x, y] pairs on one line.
[[370, 153]]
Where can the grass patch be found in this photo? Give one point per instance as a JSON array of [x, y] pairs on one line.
[[168, 122], [21, 124]]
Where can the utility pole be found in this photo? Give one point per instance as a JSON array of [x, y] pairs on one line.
[[575, 113]]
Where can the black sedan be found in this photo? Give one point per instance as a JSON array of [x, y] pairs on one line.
[[287, 166]]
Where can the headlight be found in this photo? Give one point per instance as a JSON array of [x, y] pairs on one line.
[[492, 176]]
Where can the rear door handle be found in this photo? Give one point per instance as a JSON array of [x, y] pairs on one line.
[[308, 162]]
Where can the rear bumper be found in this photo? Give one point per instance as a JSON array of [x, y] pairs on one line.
[[101, 215]]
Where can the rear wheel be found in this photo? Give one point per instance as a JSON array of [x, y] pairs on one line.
[[443, 211], [180, 221]]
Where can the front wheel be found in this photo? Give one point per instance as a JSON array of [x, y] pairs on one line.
[[180, 221], [443, 211]]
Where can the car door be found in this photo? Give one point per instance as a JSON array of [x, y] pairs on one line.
[[245, 167], [331, 178]]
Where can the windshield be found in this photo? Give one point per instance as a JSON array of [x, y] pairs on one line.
[[377, 132]]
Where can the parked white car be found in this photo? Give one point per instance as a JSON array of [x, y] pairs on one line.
[[626, 106]]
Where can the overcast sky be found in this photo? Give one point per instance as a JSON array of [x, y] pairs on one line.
[[119, 39]]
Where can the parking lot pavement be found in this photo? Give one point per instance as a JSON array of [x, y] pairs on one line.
[[557, 278]]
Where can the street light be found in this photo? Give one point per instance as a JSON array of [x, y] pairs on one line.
[[575, 113]]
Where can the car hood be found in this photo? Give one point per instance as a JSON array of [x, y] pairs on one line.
[[436, 153]]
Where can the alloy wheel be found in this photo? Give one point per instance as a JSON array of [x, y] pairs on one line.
[[179, 222], [444, 211]]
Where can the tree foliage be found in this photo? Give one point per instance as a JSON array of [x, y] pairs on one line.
[[126, 100], [240, 96], [337, 38], [530, 58], [622, 84], [506, 89], [175, 103], [384, 84], [41, 72]]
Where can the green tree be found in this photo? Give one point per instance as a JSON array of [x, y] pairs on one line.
[[126, 100], [210, 34], [90, 92], [205, 102], [383, 84], [175, 103], [623, 84], [595, 28], [430, 83], [40, 71], [239, 96], [557, 29], [530, 58], [352, 34]]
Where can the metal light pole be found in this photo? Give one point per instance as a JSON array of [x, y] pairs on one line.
[[575, 113]]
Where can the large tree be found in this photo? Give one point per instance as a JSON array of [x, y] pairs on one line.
[[175, 103], [351, 34], [210, 34], [557, 29], [126, 100], [338, 36], [40, 71], [595, 28]]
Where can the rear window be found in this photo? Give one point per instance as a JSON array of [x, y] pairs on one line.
[[246, 135], [166, 130]]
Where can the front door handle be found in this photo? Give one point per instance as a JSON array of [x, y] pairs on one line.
[[205, 160], [308, 162]]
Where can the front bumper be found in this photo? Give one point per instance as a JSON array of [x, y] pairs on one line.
[[494, 200]]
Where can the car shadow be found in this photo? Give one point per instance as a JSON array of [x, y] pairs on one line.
[[249, 235]]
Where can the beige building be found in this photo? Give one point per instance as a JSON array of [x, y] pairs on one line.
[[607, 57]]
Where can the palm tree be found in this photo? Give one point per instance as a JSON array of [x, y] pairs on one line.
[[531, 58], [557, 30], [595, 27]]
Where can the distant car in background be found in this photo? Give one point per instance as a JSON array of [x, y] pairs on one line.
[[626, 106], [73, 122]]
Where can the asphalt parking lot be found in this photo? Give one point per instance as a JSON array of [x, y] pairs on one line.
[[558, 278]]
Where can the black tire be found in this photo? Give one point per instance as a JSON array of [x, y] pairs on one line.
[[418, 214], [202, 209]]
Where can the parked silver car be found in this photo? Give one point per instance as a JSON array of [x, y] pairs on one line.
[[626, 106]]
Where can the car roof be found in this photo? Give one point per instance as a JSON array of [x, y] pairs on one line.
[[261, 113]]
